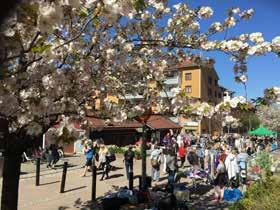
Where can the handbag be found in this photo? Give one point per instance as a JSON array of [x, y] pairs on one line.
[[96, 156]]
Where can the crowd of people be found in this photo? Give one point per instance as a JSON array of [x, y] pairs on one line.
[[224, 158]]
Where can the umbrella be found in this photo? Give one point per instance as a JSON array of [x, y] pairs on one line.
[[262, 131]]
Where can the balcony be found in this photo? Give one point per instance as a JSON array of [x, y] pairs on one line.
[[168, 94], [172, 81]]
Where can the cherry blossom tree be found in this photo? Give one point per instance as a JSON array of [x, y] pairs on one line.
[[268, 110], [270, 116], [58, 57]]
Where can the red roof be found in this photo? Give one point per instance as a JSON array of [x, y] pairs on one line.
[[160, 122]]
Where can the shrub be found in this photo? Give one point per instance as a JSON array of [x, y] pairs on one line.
[[262, 195], [117, 150]]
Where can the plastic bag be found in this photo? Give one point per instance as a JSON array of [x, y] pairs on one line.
[[232, 195]]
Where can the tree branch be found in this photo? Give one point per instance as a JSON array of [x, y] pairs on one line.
[[78, 35], [33, 42]]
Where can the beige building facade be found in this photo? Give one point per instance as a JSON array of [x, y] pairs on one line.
[[201, 82]]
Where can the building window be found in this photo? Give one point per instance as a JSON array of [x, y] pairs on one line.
[[210, 80], [209, 92], [188, 76], [219, 95], [188, 89]]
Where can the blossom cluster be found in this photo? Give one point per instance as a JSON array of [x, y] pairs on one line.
[[269, 116], [272, 95]]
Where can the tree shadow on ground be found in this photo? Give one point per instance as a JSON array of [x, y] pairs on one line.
[[201, 198]]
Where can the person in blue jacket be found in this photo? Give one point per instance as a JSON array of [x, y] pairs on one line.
[[89, 153]]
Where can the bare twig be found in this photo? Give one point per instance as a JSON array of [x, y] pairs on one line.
[[78, 35], [33, 41]]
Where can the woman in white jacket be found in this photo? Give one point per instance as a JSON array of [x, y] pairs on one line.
[[232, 165]]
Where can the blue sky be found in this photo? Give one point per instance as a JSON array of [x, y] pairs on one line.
[[263, 71]]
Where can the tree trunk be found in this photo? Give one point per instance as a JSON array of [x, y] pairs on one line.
[[13, 148], [11, 173]]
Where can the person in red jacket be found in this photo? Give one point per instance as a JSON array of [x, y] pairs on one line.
[[182, 154]]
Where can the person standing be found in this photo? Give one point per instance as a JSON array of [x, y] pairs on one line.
[[220, 180], [55, 155], [182, 154], [155, 162], [167, 139], [171, 166], [206, 158], [165, 153], [102, 156], [104, 161], [88, 151], [128, 160], [48, 153], [232, 166], [200, 154], [193, 158], [242, 159]]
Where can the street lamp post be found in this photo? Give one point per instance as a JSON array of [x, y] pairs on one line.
[[143, 119], [143, 156]]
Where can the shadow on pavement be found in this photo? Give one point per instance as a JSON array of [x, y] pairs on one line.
[[63, 207], [61, 166], [77, 188], [115, 168], [115, 176], [49, 183]]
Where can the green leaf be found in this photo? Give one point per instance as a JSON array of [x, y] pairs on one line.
[[96, 22], [139, 5], [83, 13], [42, 48], [27, 13]]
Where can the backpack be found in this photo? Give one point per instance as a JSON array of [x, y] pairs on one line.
[[155, 162]]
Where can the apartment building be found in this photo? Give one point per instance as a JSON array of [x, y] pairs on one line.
[[198, 81]]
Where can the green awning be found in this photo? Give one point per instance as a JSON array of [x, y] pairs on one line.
[[262, 131]]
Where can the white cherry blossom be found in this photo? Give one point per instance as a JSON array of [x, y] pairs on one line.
[[243, 78], [205, 12]]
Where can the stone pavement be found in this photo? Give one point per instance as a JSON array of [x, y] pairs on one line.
[[78, 189]]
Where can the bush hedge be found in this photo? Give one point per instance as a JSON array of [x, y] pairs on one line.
[[121, 150], [262, 195]]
